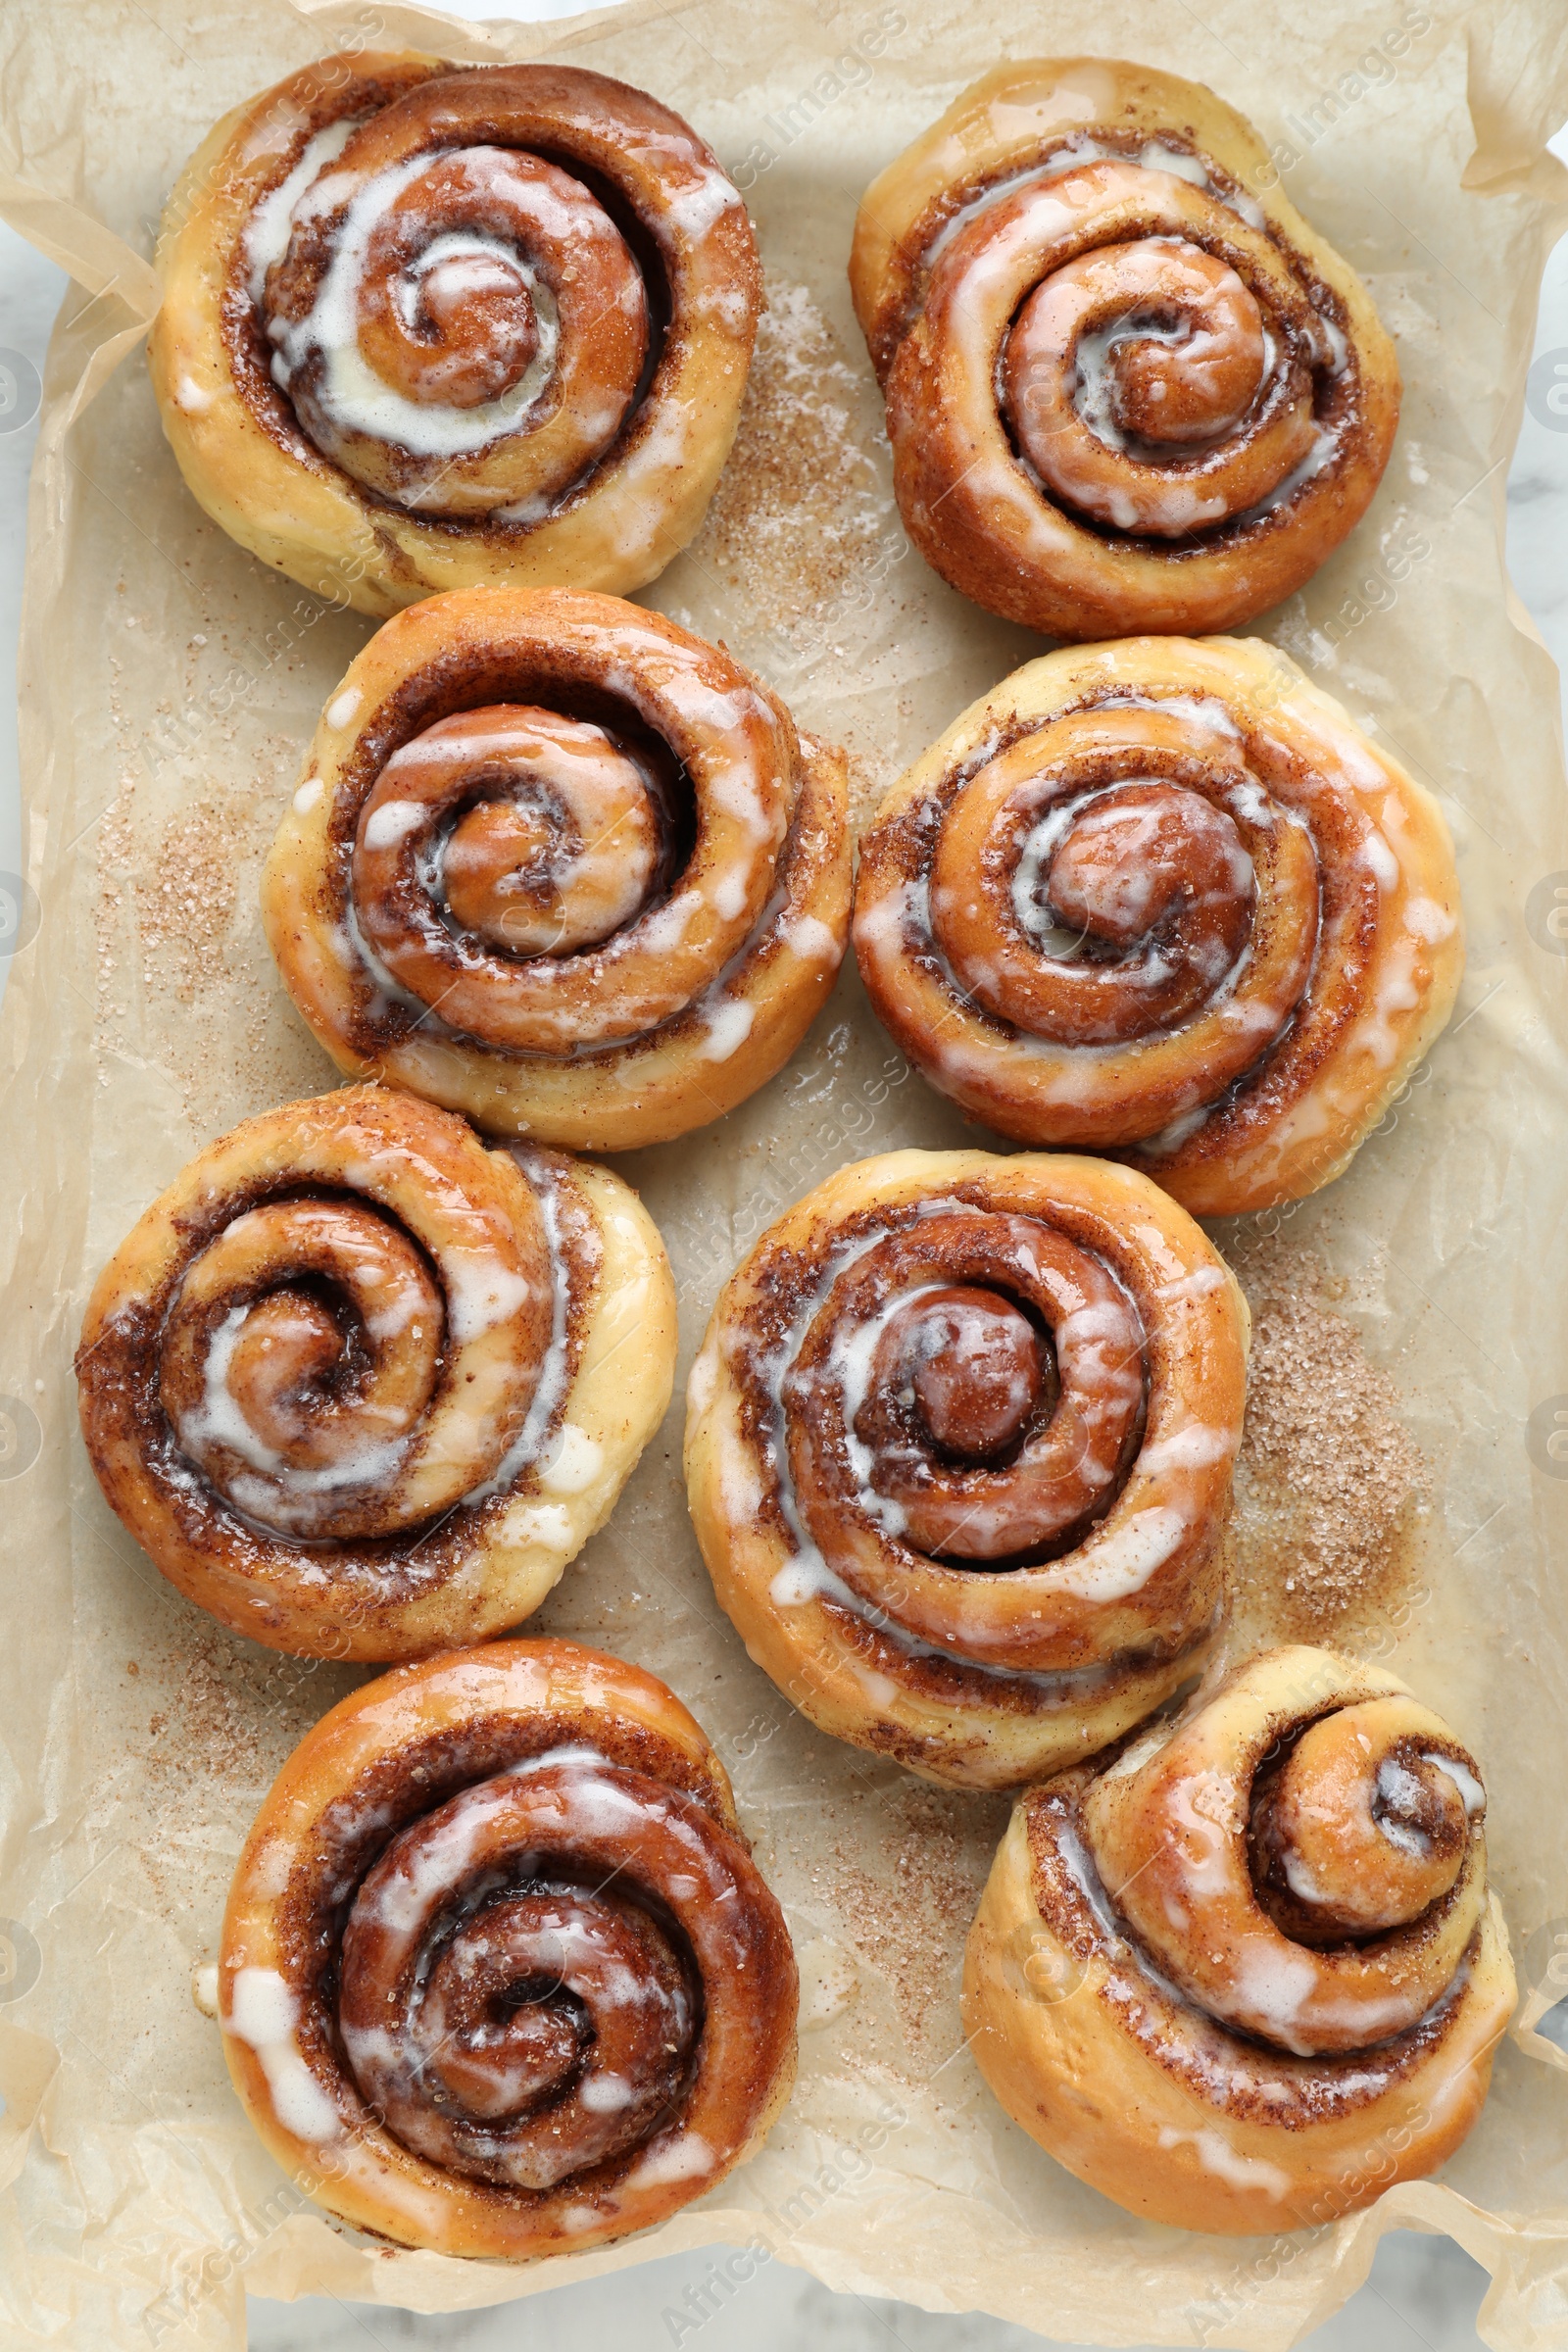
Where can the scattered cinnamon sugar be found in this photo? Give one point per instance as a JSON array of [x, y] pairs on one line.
[[206, 1753], [186, 897], [115, 969], [801, 500], [869, 780], [178, 947], [909, 1912], [1328, 1482]]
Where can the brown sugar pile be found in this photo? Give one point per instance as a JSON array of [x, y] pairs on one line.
[[1328, 1480], [800, 501]]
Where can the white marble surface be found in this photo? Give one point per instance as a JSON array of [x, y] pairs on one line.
[[1422, 2292]]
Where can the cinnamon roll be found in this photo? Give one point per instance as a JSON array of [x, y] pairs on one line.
[[499, 1975], [958, 1453], [1249, 1974], [362, 1388], [559, 865], [424, 325], [1163, 899], [1128, 387]]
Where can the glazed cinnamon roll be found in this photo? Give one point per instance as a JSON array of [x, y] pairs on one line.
[[424, 325], [958, 1453], [1128, 387], [498, 1975], [1163, 899], [363, 1388], [1249, 1974], [559, 865]]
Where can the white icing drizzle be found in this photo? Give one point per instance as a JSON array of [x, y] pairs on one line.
[[1471, 1793], [1400, 1794], [271, 224], [1324, 450], [393, 822], [529, 1441], [696, 210], [1155, 154], [1216, 2155], [683, 2158], [728, 1020], [573, 1463], [264, 2015]]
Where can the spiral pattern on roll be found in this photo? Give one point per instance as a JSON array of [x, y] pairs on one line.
[[547, 1997], [1161, 898], [1263, 1931], [463, 331], [1127, 387], [958, 1453], [501, 315], [335, 1380], [1314, 1882], [559, 865]]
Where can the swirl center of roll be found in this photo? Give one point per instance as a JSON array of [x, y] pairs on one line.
[[513, 2000], [566, 858], [972, 1384], [1160, 341], [517, 2000], [1121, 875], [1321, 1899], [1148, 385], [1129, 858], [462, 334], [545, 884], [359, 1354], [971, 1365], [458, 325], [300, 1352], [515, 827], [1361, 1829]]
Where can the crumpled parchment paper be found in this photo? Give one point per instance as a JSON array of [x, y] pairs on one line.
[[169, 683]]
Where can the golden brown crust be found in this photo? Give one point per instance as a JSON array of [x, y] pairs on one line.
[[813, 1476], [711, 974], [604, 472], [1273, 900], [363, 1388], [498, 1904], [996, 266], [1266, 2083]]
